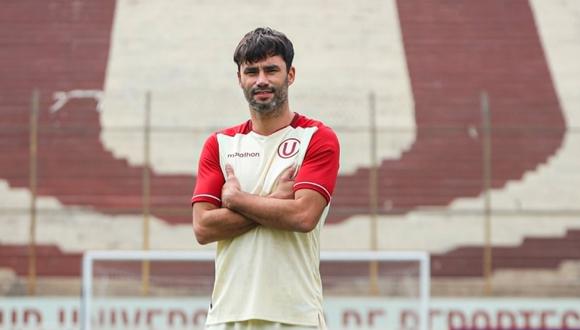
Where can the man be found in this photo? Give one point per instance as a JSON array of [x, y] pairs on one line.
[[263, 191]]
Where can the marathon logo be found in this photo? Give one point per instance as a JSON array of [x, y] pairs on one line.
[[244, 154]]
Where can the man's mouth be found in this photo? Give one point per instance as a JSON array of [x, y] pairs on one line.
[[261, 91], [263, 94]]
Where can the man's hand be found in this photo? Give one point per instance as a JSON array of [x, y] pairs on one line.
[[300, 212], [212, 223], [231, 187], [284, 185]]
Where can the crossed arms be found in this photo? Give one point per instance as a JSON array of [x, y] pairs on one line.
[[241, 211]]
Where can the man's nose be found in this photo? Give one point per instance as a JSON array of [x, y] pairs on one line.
[[262, 79]]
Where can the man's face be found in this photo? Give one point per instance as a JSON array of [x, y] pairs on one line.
[[265, 83]]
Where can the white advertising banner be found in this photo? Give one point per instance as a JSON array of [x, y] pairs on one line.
[[342, 313]]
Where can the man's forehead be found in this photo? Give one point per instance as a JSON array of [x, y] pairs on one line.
[[268, 61]]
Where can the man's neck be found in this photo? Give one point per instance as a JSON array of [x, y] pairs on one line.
[[266, 124]]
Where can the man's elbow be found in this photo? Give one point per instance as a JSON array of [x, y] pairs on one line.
[[307, 224], [200, 234], [201, 240], [310, 207]]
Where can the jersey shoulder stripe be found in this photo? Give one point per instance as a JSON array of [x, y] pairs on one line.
[[243, 128]]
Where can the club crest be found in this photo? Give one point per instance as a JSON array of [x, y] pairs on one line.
[[288, 148]]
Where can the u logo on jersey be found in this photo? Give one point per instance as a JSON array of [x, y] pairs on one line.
[[288, 148]]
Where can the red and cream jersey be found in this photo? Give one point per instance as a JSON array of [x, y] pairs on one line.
[[266, 273], [259, 160]]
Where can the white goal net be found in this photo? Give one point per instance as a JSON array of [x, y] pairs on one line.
[[171, 290]]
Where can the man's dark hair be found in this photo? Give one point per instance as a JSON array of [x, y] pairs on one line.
[[262, 42]]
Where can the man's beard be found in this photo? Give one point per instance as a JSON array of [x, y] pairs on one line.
[[278, 99]]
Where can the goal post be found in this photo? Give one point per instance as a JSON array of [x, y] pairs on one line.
[[391, 279]]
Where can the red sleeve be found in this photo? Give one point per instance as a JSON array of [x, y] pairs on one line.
[[210, 179], [320, 166]]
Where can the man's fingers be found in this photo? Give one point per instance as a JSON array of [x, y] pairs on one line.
[[229, 171], [288, 173]]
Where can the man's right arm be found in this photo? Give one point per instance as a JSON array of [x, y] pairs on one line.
[[211, 223]]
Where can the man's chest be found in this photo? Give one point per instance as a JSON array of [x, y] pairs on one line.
[[259, 160]]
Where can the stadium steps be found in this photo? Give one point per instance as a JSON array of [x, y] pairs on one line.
[[533, 253], [439, 167]]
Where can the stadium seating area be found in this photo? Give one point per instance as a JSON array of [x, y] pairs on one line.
[[427, 64]]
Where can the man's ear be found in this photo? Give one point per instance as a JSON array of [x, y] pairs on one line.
[[291, 75], [239, 78]]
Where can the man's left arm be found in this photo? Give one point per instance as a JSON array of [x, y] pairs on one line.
[[313, 188], [299, 214]]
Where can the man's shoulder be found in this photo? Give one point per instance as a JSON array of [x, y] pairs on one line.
[[212, 139], [323, 131], [243, 128], [305, 122]]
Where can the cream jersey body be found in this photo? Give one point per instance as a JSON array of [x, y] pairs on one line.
[[269, 274]]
